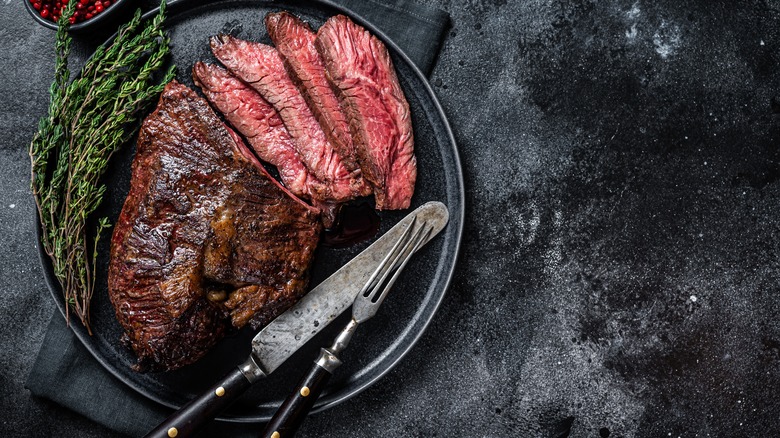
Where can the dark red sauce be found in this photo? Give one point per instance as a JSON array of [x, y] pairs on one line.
[[355, 223]]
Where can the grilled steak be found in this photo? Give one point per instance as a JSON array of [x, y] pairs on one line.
[[261, 67], [360, 70], [294, 40], [205, 233], [260, 124]]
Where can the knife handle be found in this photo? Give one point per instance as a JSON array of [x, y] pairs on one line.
[[293, 411], [189, 418]]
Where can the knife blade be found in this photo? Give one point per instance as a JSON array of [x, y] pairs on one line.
[[289, 331]]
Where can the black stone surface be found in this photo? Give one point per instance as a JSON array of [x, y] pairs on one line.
[[620, 269]]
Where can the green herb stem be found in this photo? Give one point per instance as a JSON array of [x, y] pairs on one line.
[[89, 118]]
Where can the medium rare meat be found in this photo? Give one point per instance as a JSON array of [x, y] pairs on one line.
[[294, 40], [360, 70], [204, 234], [260, 124], [261, 67]]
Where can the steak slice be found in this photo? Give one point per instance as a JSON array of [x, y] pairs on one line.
[[360, 69], [204, 233], [260, 124], [294, 40], [262, 68]]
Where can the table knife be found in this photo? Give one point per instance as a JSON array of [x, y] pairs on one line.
[[275, 343]]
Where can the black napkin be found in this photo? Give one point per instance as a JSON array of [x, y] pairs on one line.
[[67, 374]]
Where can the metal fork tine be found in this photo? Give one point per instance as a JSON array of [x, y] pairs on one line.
[[419, 238], [366, 305], [384, 266], [392, 266]]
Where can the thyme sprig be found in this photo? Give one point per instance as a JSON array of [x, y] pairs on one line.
[[89, 119]]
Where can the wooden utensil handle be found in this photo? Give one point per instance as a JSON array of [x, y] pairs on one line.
[[293, 411], [192, 416]]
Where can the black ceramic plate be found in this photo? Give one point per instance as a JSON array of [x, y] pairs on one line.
[[406, 313]]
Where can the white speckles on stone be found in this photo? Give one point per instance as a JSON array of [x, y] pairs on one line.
[[667, 39], [632, 33], [528, 224], [632, 15], [552, 359], [693, 298], [12, 206], [554, 254], [634, 12], [761, 43]]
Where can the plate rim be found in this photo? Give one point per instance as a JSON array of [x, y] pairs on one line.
[[84, 338]]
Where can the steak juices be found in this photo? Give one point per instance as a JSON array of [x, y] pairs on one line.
[[207, 238]]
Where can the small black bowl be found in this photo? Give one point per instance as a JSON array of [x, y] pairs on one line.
[[96, 22]]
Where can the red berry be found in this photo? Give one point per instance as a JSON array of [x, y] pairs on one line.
[[45, 13], [106, 4], [98, 8], [65, 2], [37, 6], [88, 16], [72, 19]]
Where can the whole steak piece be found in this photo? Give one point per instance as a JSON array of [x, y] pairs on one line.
[[260, 124], [361, 71], [204, 234], [294, 40], [262, 68]]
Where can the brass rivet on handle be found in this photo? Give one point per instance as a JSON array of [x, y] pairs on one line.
[[172, 432], [275, 435], [305, 391], [220, 391]]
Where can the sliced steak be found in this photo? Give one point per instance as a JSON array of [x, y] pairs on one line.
[[261, 67], [294, 40], [361, 71], [260, 124], [204, 233]]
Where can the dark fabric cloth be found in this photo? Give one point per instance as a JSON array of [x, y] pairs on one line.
[[67, 374]]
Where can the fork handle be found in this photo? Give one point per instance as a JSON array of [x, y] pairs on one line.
[[293, 411]]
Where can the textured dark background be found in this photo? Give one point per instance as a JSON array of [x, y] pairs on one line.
[[620, 273]]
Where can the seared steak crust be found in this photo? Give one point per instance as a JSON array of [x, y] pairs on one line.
[[202, 219], [359, 68]]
